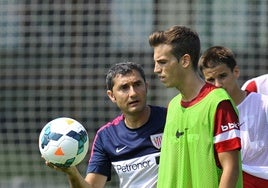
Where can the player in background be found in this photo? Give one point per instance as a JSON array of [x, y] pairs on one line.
[[201, 141], [131, 142], [257, 84], [219, 67]]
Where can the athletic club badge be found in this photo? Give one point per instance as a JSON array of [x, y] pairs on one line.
[[156, 140]]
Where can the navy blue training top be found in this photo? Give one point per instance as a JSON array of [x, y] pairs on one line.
[[129, 151]]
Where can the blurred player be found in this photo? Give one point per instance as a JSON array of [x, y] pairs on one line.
[[258, 84], [219, 67], [201, 142], [131, 142]]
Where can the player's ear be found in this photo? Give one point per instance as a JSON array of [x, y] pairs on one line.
[[111, 96], [236, 71], [186, 60]]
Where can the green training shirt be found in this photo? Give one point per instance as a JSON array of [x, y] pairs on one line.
[[187, 155]]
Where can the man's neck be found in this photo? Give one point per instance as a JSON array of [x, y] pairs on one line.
[[238, 96], [192, 88], [138, 120]]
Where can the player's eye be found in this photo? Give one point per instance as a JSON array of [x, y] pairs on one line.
[[222, 76], [124, 87], [137, 84], [211, 80], [161, 62]]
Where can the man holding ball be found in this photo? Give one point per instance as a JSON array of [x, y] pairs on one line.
[[131, 142]]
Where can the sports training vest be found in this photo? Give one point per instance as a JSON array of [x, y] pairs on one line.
[[187, 155]]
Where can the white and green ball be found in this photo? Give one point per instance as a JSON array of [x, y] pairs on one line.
[[63, 142]]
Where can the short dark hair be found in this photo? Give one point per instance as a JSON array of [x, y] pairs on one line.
[[182, 39], [122, 69], [217, 55]]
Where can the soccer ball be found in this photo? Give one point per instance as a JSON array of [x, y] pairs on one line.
[[63, 142]]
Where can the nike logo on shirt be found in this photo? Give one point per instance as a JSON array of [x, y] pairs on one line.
[[117, 150]]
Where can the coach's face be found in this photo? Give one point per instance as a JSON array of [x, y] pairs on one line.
[[129, 92]]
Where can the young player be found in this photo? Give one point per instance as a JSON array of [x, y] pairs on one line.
[[219, 67], [131, 142], [201, 140], [258, 84]]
